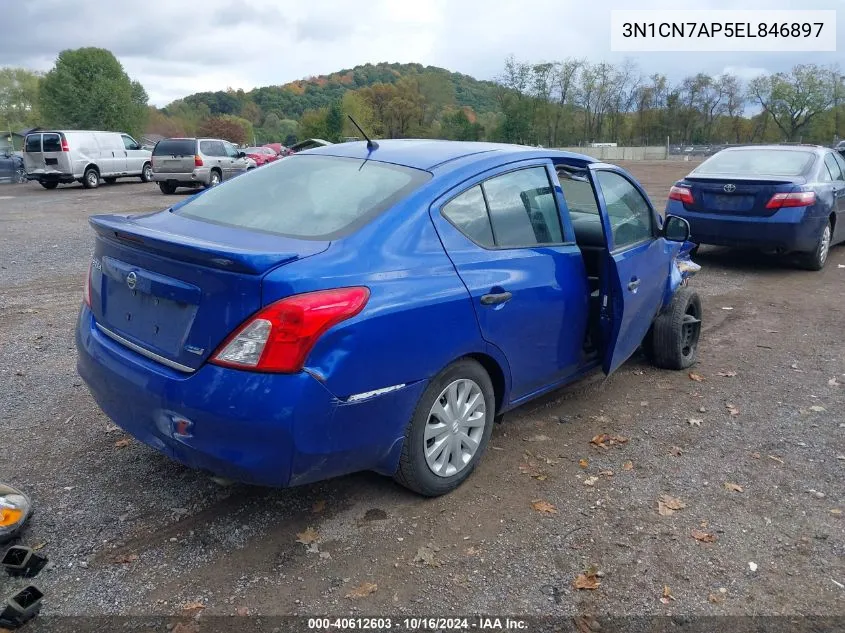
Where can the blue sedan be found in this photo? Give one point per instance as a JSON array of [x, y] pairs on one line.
[[376, 307], [785, 199]]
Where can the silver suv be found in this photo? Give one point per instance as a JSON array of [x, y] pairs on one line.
[[195, 162]]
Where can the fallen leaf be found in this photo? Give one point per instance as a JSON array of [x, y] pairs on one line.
[[363, 590], [696, 377], [583, 463], [694, 421], [122, 443], [817, 408], [733, 487], [676, 451], [590, 481], [667, 505], [836, 512], [776, 459], [540, 476], [628, 466], [727, 374], [318, 506], [702, 536], [425, 555], [242, 611], [731, 408], [587, 581], [308, 537], [667, 595], [192, 606], [39, 546], [124, 559], [716, 598], [543, 506], [604, 440]]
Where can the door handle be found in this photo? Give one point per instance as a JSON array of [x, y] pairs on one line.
[[633, 285], [496, 298]]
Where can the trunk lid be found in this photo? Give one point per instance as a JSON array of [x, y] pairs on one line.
[[736, 195], [173, 288], [174, 155]]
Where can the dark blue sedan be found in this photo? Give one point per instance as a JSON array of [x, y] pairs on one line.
[[360, 307], [785, 199]]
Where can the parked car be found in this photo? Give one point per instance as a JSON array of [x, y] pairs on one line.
[[11, 167], [241, 331], [261, 155], [195, 162], [65, 156], [310, 143], [785, 199], [281, 150]]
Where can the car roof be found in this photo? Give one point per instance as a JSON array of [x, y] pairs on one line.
[[429, 154], [818, 149]]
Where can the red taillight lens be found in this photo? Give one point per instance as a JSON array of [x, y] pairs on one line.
[[197, 161], [794, 199], [86, 291], [65, 147], [681, 194], [280, 337]]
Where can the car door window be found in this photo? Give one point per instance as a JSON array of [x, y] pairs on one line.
[[230, 150], [631, 217], [129, 142], [468, 213], [824, 174], [523, 209], [833, 166], [839, 161]]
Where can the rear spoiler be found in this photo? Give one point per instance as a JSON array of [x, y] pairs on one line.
[[125, 231]]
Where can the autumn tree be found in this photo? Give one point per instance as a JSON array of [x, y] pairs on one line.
[[89, 89], [227, 127]]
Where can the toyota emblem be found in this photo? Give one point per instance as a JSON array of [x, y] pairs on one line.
[[729, 188], [131, 280]]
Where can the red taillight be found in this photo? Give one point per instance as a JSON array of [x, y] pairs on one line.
[[279, 337], [197, 161], [681, 194], [794, 199], [86, 291], [65, 147]]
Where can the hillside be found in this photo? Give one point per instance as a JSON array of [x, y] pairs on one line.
[[291, 100]]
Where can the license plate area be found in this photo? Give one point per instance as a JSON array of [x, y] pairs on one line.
[[724, 202]]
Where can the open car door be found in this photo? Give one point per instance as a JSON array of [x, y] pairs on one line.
[[637, 264]]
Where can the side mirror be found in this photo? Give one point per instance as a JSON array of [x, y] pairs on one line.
[[676, 229]]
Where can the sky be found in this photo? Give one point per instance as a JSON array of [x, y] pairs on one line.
[[179, 47]]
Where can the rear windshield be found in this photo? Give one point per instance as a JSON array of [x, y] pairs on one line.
[[33, 142], [175, 147], [754, 162], [309, 197]]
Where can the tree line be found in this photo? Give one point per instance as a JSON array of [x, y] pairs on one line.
[[563, 103]]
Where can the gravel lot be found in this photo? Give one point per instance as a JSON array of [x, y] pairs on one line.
[[129, 532]]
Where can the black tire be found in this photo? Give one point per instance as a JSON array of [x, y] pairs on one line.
[[414, 473], [167, 188], [215, 174], [146, 173], [675, 332], [49, 184], [816, 259], [91, 178], [110, 181]]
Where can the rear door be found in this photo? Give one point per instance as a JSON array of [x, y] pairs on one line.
[[174, 156], [836, 166], [524, 274], [637, 264], [33, 159]]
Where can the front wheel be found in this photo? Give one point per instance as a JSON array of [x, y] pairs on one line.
[[449, 430], [147, 173], [816, 259], [673, 339]]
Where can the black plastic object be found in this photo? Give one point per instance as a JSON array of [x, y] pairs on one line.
[[22, 561], [21, 607]]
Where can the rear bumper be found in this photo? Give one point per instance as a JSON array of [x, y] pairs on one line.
[[51, 176], [199, 176], [264, 429], [793, 229]]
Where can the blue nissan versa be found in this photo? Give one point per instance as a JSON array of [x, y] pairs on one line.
[[376, 307], [780, 198]]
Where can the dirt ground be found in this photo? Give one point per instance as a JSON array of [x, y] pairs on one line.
[[129, 532]]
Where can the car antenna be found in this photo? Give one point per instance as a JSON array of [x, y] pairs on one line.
[[371, 144]]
